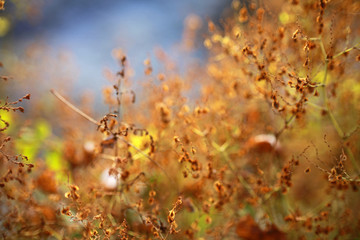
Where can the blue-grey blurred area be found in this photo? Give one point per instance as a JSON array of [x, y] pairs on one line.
[[73, 40]]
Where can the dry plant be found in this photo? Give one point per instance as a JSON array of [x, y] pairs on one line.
[[269, 150]]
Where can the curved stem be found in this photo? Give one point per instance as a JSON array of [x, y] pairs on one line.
[[77, 110], [333, 120]]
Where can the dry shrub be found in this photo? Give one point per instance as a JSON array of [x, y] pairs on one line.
[[247, 159]]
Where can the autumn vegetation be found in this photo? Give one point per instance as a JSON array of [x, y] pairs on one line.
[[261, 143]]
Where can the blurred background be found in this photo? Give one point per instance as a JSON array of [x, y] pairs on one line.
[[58, 44]]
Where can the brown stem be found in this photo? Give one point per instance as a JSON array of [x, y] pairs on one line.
[[62, 99]]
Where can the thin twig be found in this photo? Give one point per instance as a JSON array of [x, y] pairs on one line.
[[61, 98], [347, 50], [333, 119]]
